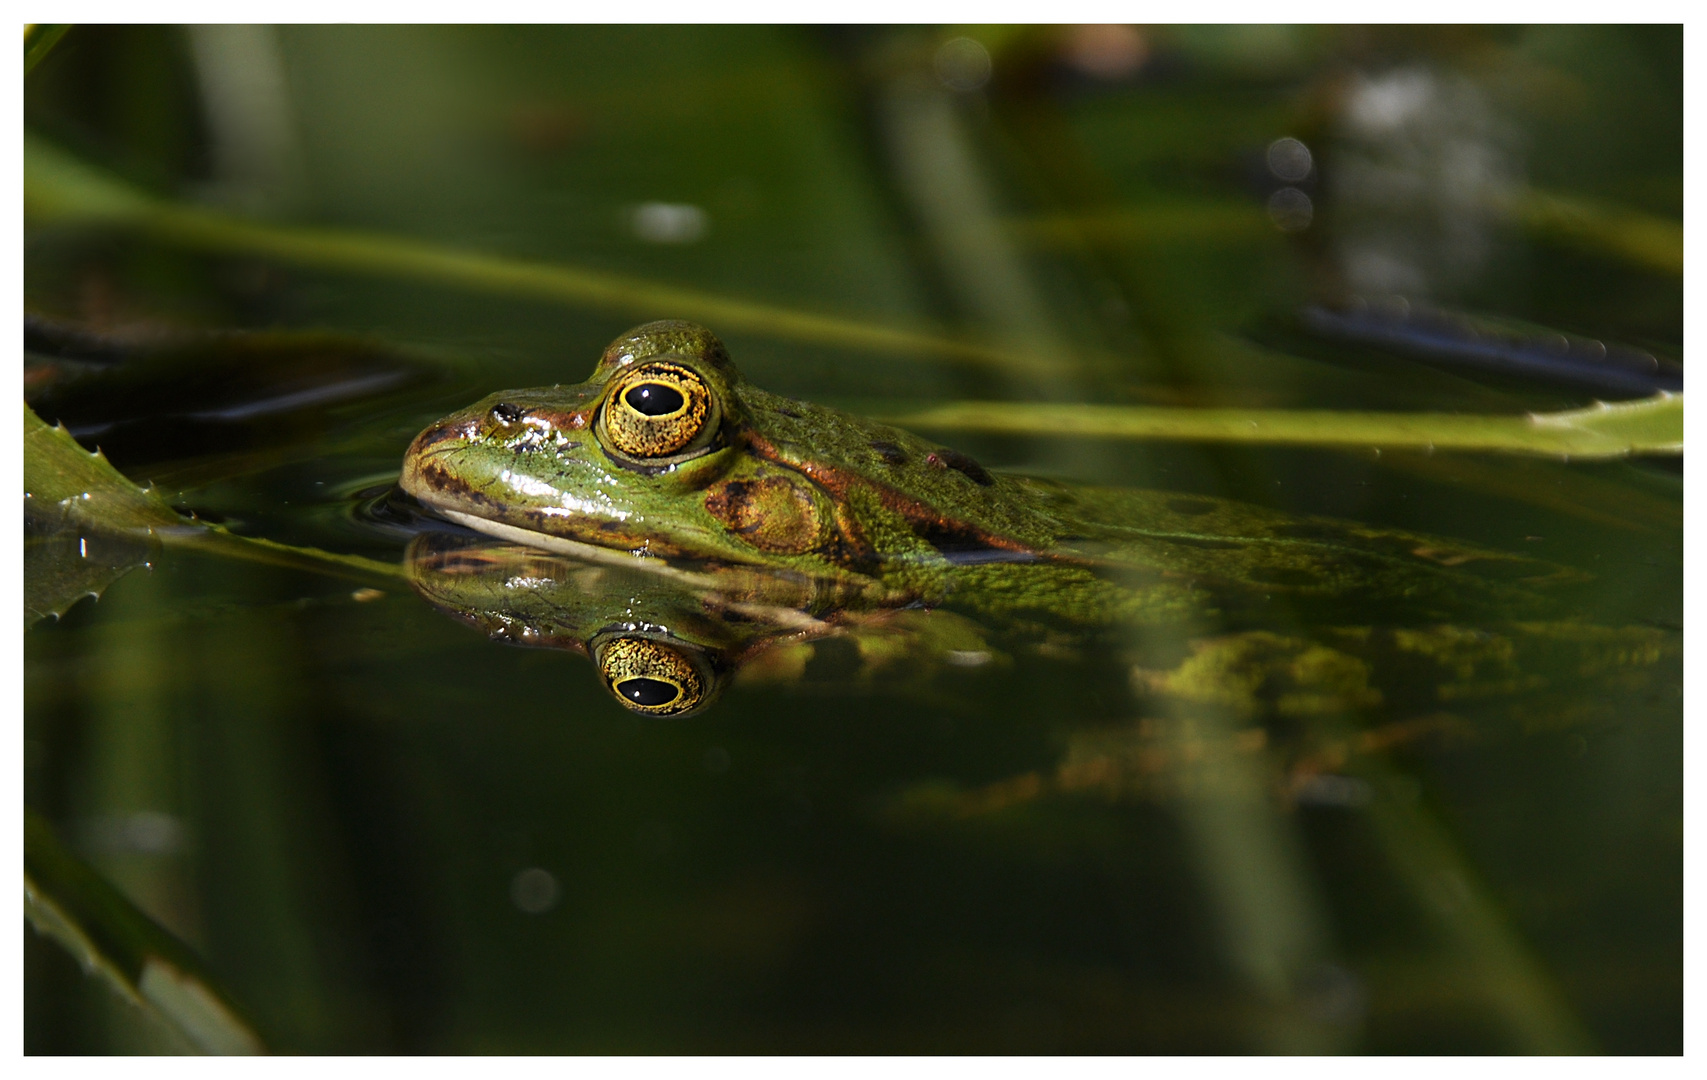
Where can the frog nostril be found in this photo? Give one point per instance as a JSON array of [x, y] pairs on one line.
[[505, 413]]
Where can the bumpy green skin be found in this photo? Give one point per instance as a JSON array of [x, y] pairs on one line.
[[804, 490]]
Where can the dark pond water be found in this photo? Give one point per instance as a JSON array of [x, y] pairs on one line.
[[382, 832]]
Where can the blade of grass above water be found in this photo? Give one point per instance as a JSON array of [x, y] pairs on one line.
[[1652, 426], [59, 189], [1646, 240]]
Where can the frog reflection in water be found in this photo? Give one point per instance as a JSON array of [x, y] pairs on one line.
[[666, 643], [666, 459]]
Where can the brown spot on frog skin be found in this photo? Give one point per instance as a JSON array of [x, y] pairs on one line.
[[432, 474], [435, 435], [772, 513], [889, 452], [960, 463], [555, 419]]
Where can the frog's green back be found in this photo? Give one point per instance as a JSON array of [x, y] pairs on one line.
[[921, 499]]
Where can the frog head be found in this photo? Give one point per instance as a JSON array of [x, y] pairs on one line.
[[653, 454], [666, 451]]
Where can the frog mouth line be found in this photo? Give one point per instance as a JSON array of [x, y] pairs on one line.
[[571, 532], [561, 545], [430, 478], [593, 537], [572, 527]]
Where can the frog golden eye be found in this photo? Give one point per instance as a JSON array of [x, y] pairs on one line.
[[651, 677], [659, 410]]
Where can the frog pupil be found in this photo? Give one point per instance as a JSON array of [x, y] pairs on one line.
[[654, 399], [650, 693], [505, 413]]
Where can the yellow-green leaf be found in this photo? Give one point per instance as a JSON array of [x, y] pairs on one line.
[[1649, 426], [60, 189], [67, 901], [86, 525]]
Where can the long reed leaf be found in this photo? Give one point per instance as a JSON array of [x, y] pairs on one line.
[[1649, 426]]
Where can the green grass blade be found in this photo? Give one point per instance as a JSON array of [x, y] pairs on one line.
[[39, 40], [60, 189], [1646, 240], [1516, 988], [112, 939], [1649, 426]]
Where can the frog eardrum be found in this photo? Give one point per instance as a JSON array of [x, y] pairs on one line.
[[658, 412], [652, 677]]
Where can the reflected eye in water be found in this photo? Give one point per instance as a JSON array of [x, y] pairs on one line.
[[660, 410], [654, 677]]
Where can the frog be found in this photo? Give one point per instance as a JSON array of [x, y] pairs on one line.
[[667, 462], [667, 457]]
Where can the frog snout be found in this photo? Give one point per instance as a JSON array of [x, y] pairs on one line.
[[442, 432], [424, 473]]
